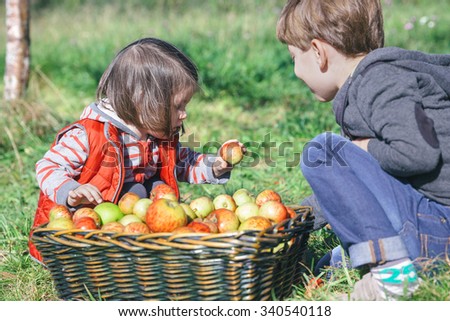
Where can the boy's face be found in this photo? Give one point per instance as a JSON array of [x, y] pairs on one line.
[[307, 67]]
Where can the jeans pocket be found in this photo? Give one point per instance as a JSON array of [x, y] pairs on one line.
[[433, 247], [434, 232]]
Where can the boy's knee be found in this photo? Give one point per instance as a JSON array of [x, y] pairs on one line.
[[320, 151]]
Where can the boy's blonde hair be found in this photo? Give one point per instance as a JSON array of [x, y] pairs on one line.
[[352, 27], [143, 80]]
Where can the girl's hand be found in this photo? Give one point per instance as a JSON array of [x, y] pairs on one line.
[[84, 194], [221, 166]]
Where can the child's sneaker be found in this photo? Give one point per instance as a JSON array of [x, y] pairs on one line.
[[390, 281]]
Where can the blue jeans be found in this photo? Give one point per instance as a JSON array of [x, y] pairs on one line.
[[377, 217]]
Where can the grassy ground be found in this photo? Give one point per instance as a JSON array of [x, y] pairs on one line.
[[249, 93]]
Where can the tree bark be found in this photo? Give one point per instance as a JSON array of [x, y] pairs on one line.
[[17, 48]]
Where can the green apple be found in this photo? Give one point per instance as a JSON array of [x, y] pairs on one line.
[[141, 206], [130, 218], [61, 223], [189, 212], [246, 211], [109, 212], [202, 206], [242, 196]]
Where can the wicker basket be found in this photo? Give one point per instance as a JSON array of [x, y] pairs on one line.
[[164, 266]]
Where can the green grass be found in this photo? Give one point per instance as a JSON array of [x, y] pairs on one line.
[[249, 92]]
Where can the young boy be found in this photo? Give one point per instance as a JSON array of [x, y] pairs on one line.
[[384, 185]]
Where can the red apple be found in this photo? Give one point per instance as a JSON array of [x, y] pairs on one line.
[[141, 206], [199, 227], [109, 212], [127, 202], [212, 226], [130, 218], [226, 220], [115, 227], [258, 223], [136, 228], [274, 211], [231, 152], [87, 212], [58, 211], [290, 212], [85, 223], [164, 215], [61, 223], [267, 195], [242, 196], [183, 230], [163, 191], [202, 206], [246, 211], [224, 201]]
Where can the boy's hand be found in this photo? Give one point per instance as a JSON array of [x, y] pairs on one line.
[[222, 166], [84, 194], [362, 143]]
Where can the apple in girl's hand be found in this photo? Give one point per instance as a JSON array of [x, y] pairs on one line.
[[231, 152], [202, 206], [274, 211], [258, 223], [136, 228], [165, 215], [246, 211], [189, 212], [226, 220], [224, 201], [59, 211], [87, 212], [85, 223], [61, 223], [115, 227], [130, 218], [163, 191], [267, 195], [242, 196], [109, 212], [127, 202], [141, 206]]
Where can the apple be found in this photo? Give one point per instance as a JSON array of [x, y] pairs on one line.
[[226, 220], [115, 227], [212, 226], [274, 211], [231, 152], [130, 218], [86, 223], [141, 206], [267, 195], [183, 230], [127, 202], [136, 228], [224, 201], [165, 215], [87, 212], [202, 206], [61, 223], [199, 227], [257, 223], [290, 212], [247, 210], [242, 196], [109, 212], [163, 191], [58, 211], [189, 212]]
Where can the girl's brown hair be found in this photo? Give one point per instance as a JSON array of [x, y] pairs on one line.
[[352, 27], [142, 81]]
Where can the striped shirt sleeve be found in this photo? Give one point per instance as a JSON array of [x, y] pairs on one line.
[[196, 168], [56, 171]]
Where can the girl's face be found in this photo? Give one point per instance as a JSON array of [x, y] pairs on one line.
[[179, 114], [307, 68]]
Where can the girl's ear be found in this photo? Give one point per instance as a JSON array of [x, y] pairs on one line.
[[320, 54]]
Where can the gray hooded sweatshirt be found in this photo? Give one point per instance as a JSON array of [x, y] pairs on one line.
[[401, 100]]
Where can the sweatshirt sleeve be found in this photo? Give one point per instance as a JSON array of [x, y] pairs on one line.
[[56, 171], [196, 168], [405, 142]]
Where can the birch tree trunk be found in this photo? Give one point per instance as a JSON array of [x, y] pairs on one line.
[[17, 48]]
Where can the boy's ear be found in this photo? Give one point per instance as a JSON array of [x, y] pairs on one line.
[[320, 53]]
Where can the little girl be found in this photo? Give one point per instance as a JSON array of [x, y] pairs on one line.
[[128, 139]]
